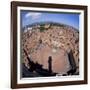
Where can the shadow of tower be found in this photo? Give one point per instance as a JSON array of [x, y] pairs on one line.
[[50, 64]]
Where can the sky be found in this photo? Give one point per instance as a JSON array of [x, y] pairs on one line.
[[29, 17]]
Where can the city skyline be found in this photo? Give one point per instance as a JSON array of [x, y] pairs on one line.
[[29, 17]]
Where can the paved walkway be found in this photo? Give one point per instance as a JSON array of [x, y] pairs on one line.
[[60, 62]]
